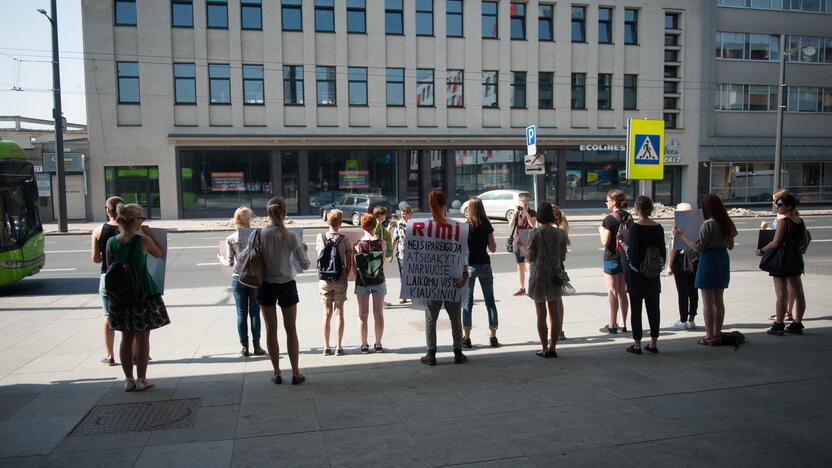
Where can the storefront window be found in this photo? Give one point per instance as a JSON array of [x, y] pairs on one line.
[[215, 183], [591, 174], [478, 171], [352, 171], [803, 179], [289, 168], [728, 181], [136, 184], [550, 181]]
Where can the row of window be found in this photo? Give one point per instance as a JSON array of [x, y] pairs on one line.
[[759, 98], [816, 6], [766, 47]]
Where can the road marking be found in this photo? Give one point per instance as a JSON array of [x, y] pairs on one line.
[[811, 228], [186, 247], [50, 270], [209, 264], [210, 238]]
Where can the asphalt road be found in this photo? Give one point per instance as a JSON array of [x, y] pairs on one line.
[[192, 257]]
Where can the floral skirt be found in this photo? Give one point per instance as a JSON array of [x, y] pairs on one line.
[[149, 315]]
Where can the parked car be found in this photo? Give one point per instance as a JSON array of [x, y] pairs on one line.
[[354, 205], [498, 203], [325, 198]]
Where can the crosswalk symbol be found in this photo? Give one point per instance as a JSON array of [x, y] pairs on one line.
[[647, 153]]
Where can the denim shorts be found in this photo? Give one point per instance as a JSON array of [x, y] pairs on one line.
[[372, 290], [102, 292], [613, 266]]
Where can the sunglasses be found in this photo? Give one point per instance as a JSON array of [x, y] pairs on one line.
[[779, 203]]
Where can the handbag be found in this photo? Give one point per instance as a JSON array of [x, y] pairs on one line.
[[690, 261], [510, 240], [785, 260], [251, 264]]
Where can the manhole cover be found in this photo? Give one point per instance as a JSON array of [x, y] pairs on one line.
[[138, 417], [441, 324]]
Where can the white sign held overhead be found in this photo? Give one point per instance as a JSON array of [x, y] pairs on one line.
[[531, 139]]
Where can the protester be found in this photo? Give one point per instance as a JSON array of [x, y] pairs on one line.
[[563, 224], [369, 281], [100, 237], [438, 202], [134, 320], [523, 219], [277, 247], [480, 241], [546, 253], [380, 214], [399, 235], [613, 263], [245, 297], [646, 251], [716, 237], [788, 237], [682, 265], [334, 264], [773, 225]]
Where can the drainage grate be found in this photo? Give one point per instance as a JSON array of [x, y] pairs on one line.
[[138, 417], [441, 324]]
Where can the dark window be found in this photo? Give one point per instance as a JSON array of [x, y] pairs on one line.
[[670, 120], [128, 82], [605, 25], [125, 12], [453, 18], [393, 17], [184, 83], [424, 17], [291, 12], [251, 14], [546, 22], [356, 16], [219, 83], [518, 90], [671, 55], [182, 13], [518, 21], [424, 87], [490, 88], [671, 20], [253, 89], [671, 39], [630, 92], [293, 85], [325, 15], [671, 103], [455, 94], [395, 86], [357, 85], [546, 90], [671, 71], [489, 20], [325, 77], [579, 90], [578, 24], [604, 91], [217, 14], [630, 26], [671, 87]]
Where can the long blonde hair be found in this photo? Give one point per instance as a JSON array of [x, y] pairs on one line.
[[276, 208], [242, 217]]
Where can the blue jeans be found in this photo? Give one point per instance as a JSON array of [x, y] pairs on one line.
[[246, 300], [483, 272]]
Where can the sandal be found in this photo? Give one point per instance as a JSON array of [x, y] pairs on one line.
[[703, 342], [543, 354], [715, 341], [298, 379], [520, 292], [633, 349]]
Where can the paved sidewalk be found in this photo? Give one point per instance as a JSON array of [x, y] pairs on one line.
[[767, 404]]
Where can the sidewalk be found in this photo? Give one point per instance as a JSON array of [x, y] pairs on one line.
[[767, 404]]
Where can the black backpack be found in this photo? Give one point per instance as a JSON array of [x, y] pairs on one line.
[[122, 281], [329, 262], [733, 338]]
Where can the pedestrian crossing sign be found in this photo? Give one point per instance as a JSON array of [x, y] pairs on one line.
[[645, 149]]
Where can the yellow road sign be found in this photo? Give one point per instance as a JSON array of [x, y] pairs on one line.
[[645, 149]]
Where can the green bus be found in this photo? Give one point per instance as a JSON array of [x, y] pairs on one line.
[[21, 233]]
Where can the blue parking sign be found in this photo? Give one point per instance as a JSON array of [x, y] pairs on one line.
[[531, 135]]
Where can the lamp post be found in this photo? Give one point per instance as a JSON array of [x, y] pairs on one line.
[[781, 106], [57, 114]]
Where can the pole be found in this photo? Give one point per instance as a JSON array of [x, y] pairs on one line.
[[778, 139], [57, 114]]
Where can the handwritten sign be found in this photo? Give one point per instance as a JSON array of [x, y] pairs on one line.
[[434, 257]]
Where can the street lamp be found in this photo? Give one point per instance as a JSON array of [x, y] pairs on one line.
[[781, 105], [57, 114]]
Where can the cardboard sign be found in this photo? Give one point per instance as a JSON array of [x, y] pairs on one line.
[[156, 266], [690, 222], [764, 237], [434, 257]]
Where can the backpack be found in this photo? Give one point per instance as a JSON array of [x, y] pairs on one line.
[[329, 262], [626, 221], [652, 263], [368, 267], [690, 261], [733, 338], [122, 281]]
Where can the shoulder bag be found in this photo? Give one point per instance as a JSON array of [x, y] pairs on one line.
[[250, 261]]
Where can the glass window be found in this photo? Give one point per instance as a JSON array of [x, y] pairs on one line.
[[671, 87], [490, 89], [809, 99], [579, 90], [732, 97], [325, 77], [759, 47], [546, 22], [480, 170], [518, 90], [219, 83], [357, 83], [673, 40], [128, 82], [605, 25], [671, 71], [292, 15], [671, 103], [733, 45], [729, 181], [591, 174], [125, 12], [758, 98], [356, 16], [827, 47], [424, 17], [489, 20], [453, 18], [293, 85], [455, 95], [424, 87], [630, 92], [221, 181], [251, 14], [182, 13], [325, 15], [827, 99], [253, 89], [630, 26], [760, 3], [546, 90], [518, 21], [393, 17], [395, 86], [355, 171], [184, 83], [671, 55], [217, 14], [578, 24], [671, 20], [670, 120], [604, 91]]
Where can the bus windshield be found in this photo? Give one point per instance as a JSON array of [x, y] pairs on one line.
[[18, 205]]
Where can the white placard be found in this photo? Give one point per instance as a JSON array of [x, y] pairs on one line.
[[689, 222], [434, 257], [156, 266]]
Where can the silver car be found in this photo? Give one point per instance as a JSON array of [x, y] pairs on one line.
[[498, 203]]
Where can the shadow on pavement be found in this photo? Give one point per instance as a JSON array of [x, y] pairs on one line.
[[51, 286]]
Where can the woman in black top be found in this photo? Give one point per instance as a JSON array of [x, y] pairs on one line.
[[646, 251], [609, 230], [100, 236], [480, 241]]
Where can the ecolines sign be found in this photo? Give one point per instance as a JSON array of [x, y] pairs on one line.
[[603, 147]]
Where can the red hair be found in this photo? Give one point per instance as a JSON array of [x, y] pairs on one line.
[[713, 208], [438, 202]]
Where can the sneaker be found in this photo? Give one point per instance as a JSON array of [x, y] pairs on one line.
[[459, 358], [258, 351], [466, 343], [494, 342], [139, 386], [365, 349], [680, 325], [339, 352], [378, 348], [691, 325], [607, 329], [624, 329], [795, 328], [129, 385], [633, 349], [108, 361], [327, 351], [561, 336], [428, 359], [244, 352], [776, 329]]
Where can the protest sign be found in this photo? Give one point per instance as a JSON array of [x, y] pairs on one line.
[[298, 233], [156, 266], [689, 222], [434, 257]]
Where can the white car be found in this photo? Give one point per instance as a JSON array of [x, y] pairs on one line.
[[498, 203]]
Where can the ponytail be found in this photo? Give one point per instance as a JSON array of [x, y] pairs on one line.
[[276, 208]]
